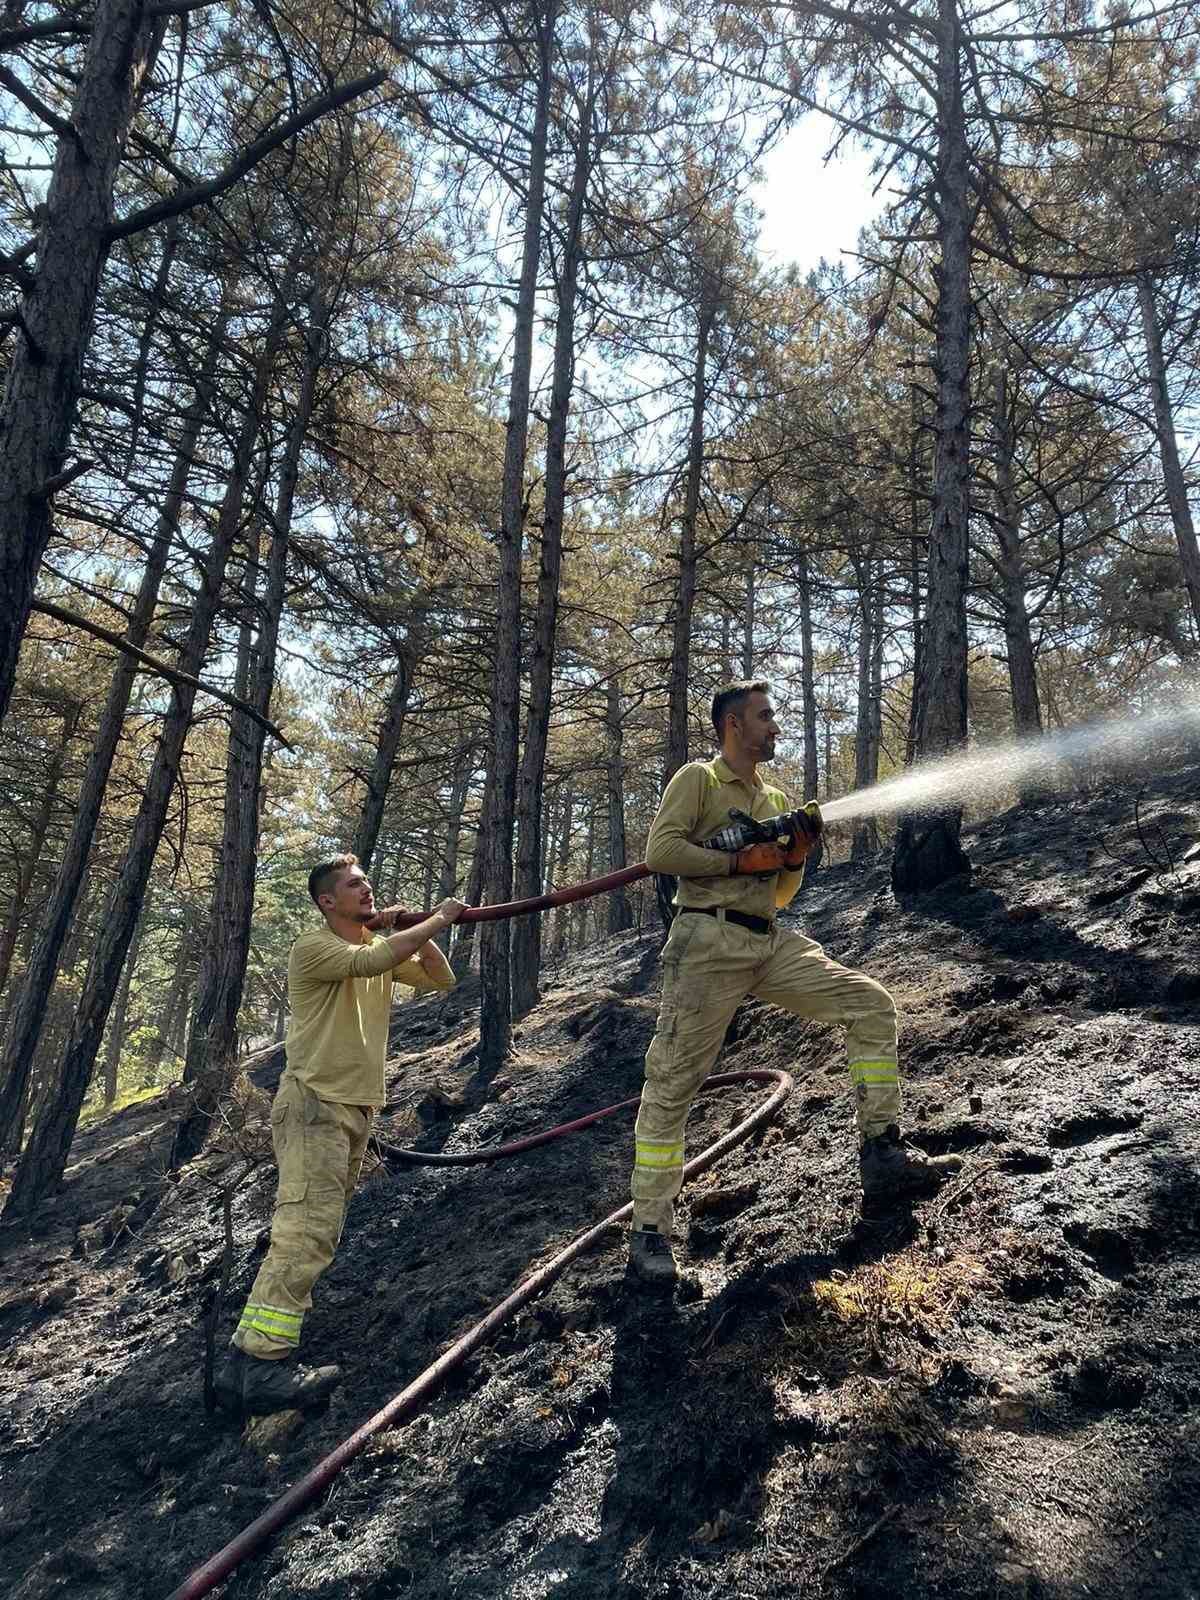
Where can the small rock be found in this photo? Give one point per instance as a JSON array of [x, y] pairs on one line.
[[1025, 913], [268, 1434]]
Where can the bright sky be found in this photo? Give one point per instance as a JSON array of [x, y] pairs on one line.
[[813, 209]]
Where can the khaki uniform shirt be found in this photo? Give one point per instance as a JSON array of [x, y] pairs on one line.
[[696, 803], [340, 997]]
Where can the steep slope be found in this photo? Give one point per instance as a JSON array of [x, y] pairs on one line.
[[995, 1395]]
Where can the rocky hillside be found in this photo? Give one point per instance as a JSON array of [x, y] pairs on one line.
[[998, 1394]]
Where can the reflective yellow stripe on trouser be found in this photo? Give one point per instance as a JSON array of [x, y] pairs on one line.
[[319, 1148], [709, 967]]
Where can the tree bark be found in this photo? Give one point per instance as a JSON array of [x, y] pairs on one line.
[[58, 312], [459, 786], [928, 850], [25, 1022], [1168, 448], [45, 1155], [387, 746], [527, 932], [496, 831]]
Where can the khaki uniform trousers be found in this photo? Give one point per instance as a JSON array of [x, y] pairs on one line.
[[319, 1148], [709, 967]]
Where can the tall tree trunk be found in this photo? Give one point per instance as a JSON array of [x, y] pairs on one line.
[[527, 932], [387, 745], [460, 783], [584, 906], [620, 912], [562, 856], [212, 1040], [46, 1153], [928, 850], [865, 840], [1022, 670], [808, 678], [685, 588], [58, 312], [496, 830], [116, 1026], [20, 1042], [1168, 447], [38, 834], [748, 618]]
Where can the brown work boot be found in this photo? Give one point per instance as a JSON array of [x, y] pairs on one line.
[[283, 1385], [650, 1257], [894, 1170]]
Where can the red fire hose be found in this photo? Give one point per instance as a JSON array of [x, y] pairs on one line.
[[218, 1567], [538, 902]]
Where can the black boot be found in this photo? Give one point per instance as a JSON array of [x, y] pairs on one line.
[[651, 1258], [268, 1386], [894, 1170]]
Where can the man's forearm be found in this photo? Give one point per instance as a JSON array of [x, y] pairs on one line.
[[434, 964]]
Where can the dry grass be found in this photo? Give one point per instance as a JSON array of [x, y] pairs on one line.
[[877, 1316]]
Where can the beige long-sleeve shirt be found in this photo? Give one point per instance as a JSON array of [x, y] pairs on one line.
[[340, 997], [697, 802]]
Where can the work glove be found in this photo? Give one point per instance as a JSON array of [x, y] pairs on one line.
[[756, 860], [807, 827]]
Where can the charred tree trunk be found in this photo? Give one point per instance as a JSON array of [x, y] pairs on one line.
[[496, 829], [527, 931], [45, 1155], [1168, 448], [25, 1022], [928, 850], [57, 312]]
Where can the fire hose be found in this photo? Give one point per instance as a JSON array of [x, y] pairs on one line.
[[218, 1567]]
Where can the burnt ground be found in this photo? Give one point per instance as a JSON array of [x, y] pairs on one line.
[[996, 1395]]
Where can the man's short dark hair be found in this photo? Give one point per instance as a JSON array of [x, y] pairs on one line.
[[731, 699], [320, 876]]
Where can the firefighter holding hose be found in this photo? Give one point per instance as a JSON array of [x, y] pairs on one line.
[[739, 853], [340, 979]]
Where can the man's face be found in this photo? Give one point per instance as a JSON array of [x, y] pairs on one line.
[[351, 896], [757, 728]]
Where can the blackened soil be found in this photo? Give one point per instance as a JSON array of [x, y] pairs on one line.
[[998, 1394]]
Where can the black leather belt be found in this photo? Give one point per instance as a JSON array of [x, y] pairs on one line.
[[742, 918]]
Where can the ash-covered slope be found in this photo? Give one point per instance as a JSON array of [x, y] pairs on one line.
[[996, 1395]]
